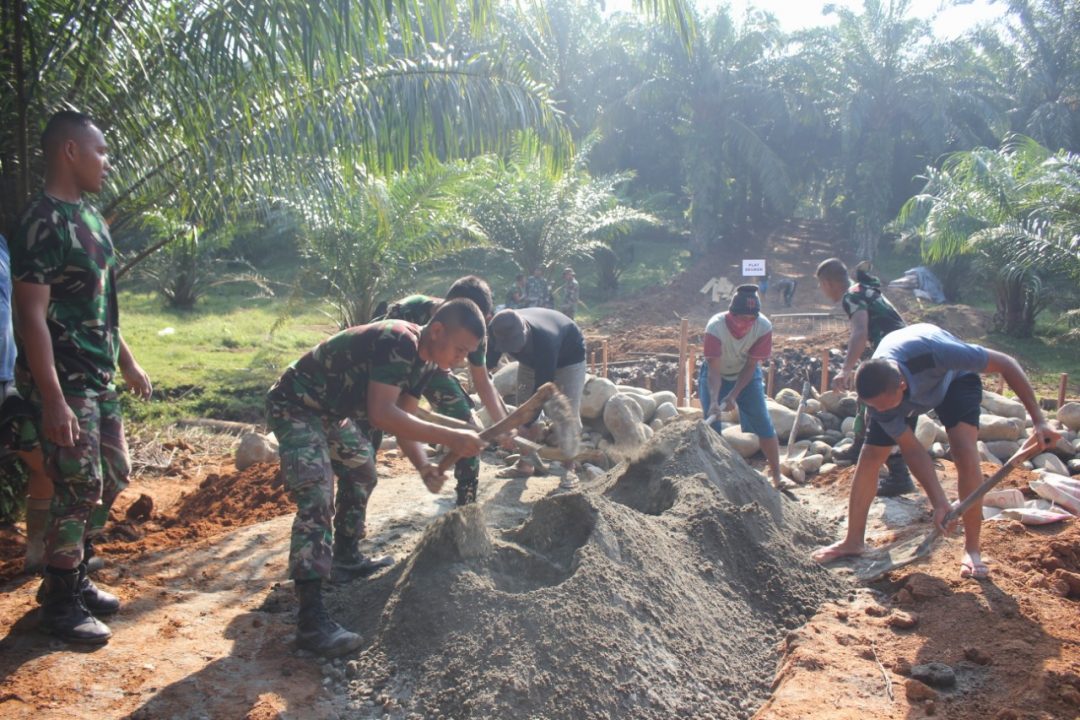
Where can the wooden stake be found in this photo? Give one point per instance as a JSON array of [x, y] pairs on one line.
[[604, 356], [592, 362], [825, 370], [770, 383], [691, 377], [680, 382], [1062, 387]]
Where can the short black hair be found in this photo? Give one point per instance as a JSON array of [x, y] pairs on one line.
[[875, 377], [475, 289], [461, 313], [61, 127], [832, 269]]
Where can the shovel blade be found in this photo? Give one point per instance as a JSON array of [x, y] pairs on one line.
[[898, 556]]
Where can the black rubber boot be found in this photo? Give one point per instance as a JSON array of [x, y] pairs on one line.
[[97, 601], [898, 481], [466, 490], [351, 564], [63, 612], [315, 631]]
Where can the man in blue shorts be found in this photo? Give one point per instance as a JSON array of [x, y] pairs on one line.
[[914, 370], [736, 342]]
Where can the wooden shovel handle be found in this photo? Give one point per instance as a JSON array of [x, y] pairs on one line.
[[1025, 453]]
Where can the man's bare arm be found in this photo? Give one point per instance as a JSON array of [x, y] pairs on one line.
[[860, 337], [58, 422]]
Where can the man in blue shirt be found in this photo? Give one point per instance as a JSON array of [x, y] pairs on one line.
[[914, 370]]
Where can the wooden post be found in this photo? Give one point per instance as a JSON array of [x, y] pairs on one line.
[[1062, 387], [604, 356], [691, 378], [680, 382], [825, 370], [592, 362], [770, 383]]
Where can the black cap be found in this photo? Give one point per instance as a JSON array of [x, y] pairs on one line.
[[745, 301]]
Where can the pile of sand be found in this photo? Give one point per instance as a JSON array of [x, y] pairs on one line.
[[662, 589]]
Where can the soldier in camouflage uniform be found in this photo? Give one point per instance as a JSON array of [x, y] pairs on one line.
[[568, 299], [872, 317], [65, 292], [515, 296], [369, 376], [444, 392], [537, 291]]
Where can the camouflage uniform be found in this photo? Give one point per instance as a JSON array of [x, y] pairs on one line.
[[568, 305], [316, 410], [444, 392], [67, 247], [882, 318], [537, 292], [515, 297]]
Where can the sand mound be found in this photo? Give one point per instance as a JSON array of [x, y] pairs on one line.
[[661, 590]]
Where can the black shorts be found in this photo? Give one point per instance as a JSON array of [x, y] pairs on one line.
[[962, 403]]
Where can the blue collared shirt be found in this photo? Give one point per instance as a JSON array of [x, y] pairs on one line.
[[7, 335], [929, 359]]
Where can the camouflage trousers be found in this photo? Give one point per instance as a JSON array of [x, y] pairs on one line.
[[314, 449], [87, 478], [447, 397]]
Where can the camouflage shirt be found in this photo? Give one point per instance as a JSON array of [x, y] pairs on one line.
[[332, 379], [419, 309], [569, 301], [882, 318], [67, 247], [537, 292]]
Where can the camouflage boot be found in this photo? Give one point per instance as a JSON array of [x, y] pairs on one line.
[[350, 563], [315, 631], [63, 612], [96, 600]]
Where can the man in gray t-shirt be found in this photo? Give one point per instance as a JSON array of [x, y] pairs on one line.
[[914, 370]]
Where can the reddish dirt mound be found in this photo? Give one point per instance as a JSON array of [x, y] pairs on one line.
[[224, 500]]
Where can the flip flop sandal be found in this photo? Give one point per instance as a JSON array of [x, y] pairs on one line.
[[975, 571]]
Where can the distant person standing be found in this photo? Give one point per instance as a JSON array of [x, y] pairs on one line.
[[515, 296], [64, 269], [537, 290], [785, 288], [736, 342], [872, 317], [568, 298]]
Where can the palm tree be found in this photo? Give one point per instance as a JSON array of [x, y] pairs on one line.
[[1014, 209]]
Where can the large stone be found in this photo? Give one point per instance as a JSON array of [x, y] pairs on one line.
[[789, 398], [646, 403], [848, 407], [1074, 466], [665, 411], [664, 396], [746, 444], [848, 425], [926, 431], [829, 421], [985, 455], [622, 418], [830, 401], [1069, 416], [595, 396], [255, 448], [994, 427], [633, 390], [819, 447], [784, 418], [813, 406], [1002, 449], [1064, 449], [1000, 405], [934, 674], [938, 451], [1051, 463], [811, 463], [505, 379]]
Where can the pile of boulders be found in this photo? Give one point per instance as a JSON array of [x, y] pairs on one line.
[[617, 418]]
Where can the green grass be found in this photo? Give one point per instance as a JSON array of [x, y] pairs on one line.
[[220, 358]]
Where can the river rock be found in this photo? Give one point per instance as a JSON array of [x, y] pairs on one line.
[[1064, 449], [827, 468], [1074, 466], [829, 421], [788, 398], [694, 413], [784, 418], [994, 427], [848, 425], [656, 423], [633, 390], [938, 451], [1003, 449], [1000, 405], [622, 418], [664, 396], [926, 431], [830, 401], [848, 407], [255, 448], [811, 463], [665, 411], [746, 444], [595, 396], [505, 379], [934, 674], [646, 430], [819, 447], [1051, 463], [986, 456], [1069, 416], [647, 405]]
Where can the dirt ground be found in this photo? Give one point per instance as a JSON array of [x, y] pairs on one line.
[[659, 577]]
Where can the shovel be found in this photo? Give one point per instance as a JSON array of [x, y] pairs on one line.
[[914, 550]]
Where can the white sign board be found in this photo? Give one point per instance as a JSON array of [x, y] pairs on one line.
[[753, 268]]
